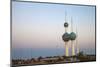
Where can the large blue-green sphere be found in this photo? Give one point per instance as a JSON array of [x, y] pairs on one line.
[[66, 37], [72, 36]]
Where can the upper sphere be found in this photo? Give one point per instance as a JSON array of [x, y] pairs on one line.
[[65, 24]]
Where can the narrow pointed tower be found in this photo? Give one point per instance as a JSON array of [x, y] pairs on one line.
[[77, 46]]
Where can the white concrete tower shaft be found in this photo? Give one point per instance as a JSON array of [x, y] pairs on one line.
[[66, 49]]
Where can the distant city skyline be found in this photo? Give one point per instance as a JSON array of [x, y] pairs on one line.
[[37, 28]]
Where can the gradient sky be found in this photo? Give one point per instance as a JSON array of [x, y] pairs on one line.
[[37, 28]]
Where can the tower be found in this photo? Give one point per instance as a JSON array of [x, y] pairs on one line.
[[66, 37], [77, 46], [72, 38]]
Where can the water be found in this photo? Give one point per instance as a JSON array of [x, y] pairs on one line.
[[27, 53]]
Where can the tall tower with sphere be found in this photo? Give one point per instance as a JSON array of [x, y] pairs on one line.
[[66, 37], [72, 38]]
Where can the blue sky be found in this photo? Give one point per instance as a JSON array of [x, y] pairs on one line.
[[38, 28]]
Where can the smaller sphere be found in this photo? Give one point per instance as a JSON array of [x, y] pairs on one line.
[[72, 36], [66, 37], [65, 24]]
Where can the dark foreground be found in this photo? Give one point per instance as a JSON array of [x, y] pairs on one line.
[[53, 60]]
